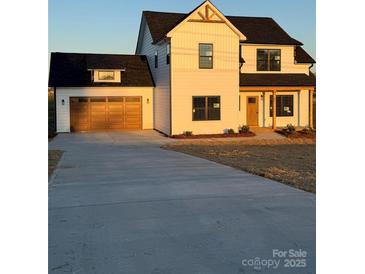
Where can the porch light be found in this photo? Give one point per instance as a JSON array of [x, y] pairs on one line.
[[63, 102]]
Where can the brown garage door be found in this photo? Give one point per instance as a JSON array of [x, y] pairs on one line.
[[105, 113]]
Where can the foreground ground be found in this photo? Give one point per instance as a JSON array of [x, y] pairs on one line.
[[118, 203], [54, 157], [292, 164]]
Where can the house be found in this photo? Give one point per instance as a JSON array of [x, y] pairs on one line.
[[202, 72]]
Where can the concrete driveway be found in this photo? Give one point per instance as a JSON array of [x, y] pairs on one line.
[[118, 203]]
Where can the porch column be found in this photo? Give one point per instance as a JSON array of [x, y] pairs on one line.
[[311, 91], [274, 109]]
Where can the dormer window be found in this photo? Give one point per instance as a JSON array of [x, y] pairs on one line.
[[104, 75]]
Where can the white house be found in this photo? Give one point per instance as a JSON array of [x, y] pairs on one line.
[[202, 72]]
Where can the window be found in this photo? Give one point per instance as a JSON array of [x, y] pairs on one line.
[[156, 59], [206, 56], [268, 60], [168, 54], [206, 108], [106, 75], [284, 105]]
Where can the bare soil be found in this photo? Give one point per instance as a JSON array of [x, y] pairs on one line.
[[292, 163], [54, 157]]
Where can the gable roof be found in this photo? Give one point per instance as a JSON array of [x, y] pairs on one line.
[[71, 69], [258, 30], [302, 57]]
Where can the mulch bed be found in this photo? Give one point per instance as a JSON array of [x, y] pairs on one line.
[[297, 134], [204, 136]]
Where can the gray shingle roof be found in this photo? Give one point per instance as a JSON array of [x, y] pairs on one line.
[[259, 30], [71, 69], [277, 79]]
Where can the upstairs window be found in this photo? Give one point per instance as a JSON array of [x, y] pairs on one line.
[[268, 60], [206, 56], [104, 75], [156, 59], [284, 105], [168, 54], [206, 108]]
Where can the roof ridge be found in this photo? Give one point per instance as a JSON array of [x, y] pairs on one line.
[[232, 16], [91, 53]]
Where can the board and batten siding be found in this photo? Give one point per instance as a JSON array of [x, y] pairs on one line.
[[288, 65], [63, 110], [188, 80], [161, 76]]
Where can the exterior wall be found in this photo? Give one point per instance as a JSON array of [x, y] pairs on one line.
[[249, 54], [298, 119], [188, 80], [161, 76], [63, 111]]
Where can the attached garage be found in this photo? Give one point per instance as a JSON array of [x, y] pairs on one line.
[[101, 92], [105, 113]]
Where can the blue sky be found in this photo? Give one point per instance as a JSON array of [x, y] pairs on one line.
[[112, 26]]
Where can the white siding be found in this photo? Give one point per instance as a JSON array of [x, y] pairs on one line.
[[288, 65], [188, 80], [161, 76], [63, 111]]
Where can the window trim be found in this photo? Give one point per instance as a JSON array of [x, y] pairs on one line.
[[282, 111], [206, 108], [268, 59], [212, 66], [112, 71]]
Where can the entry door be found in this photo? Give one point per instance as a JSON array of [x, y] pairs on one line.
[[253, 111]]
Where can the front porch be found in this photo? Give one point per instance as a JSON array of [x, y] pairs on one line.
[[293, 105]]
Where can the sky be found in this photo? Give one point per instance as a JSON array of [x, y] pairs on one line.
[[97, 26]]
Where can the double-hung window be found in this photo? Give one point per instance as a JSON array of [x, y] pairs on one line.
[[284, 105], [206, 108], [205, 56], [268, 60]]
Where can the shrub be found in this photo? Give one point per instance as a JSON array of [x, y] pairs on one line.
[[230, 131], [244, 129], [290, 128], [308, 131], [187, 133]]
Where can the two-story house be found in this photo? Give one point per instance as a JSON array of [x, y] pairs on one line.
[[202, 72]]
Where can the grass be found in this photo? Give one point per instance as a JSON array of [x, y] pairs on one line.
[[291, 164], [54, 157]]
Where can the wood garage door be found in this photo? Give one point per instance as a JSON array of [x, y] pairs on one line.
[[105, 113]]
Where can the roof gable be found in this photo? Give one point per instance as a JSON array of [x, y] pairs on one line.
[[206, 13]]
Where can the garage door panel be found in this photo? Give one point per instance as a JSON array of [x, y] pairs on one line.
[[102, 113]]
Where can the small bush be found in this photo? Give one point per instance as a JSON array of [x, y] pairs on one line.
[[244, 129], [289, 129], [308, 131], [187, 133], [230, 131]]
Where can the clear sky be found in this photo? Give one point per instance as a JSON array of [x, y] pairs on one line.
[[112, 26]]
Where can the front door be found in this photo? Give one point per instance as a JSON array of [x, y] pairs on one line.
[[253, 111]]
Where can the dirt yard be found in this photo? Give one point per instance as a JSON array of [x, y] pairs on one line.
[[54, 157], [291, 163]]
